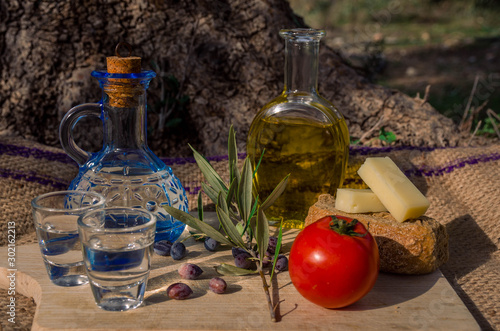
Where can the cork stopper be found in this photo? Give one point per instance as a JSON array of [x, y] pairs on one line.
[[122, 92], [123, 64]]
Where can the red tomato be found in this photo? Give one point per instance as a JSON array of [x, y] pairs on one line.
[[330, 269]]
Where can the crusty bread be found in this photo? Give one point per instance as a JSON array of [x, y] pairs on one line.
[[416, 246]]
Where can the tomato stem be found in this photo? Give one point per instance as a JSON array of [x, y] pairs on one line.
[[343, 227]]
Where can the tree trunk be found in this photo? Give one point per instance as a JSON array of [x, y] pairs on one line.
[[219, 62]]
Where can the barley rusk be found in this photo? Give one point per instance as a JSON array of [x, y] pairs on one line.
[[416, 246]]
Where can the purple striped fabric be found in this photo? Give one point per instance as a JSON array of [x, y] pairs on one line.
[[14, 150], [23, 151], [31, 176]]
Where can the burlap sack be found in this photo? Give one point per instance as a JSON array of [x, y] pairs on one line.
[[462, 184]]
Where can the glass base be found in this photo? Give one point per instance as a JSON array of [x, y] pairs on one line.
[[119, 298], [67, 275], [72, 280], [119, 304]]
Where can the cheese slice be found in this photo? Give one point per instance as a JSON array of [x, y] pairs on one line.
[[352, 200], [396, 192]]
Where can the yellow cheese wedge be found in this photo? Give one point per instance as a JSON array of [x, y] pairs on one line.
[[353, 200], [396, 192]]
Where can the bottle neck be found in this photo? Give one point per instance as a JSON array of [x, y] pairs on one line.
[[301, 66], [125, 115], [124, 109], [125, 127]]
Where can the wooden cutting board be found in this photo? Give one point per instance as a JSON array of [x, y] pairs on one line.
[[425, 302]]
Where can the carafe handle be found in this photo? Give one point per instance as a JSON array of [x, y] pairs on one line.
[[66, 130]]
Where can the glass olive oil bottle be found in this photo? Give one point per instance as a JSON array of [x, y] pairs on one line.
[[301, 134]]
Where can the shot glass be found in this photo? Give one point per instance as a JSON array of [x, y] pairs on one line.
[[117, 245], [55, 216]]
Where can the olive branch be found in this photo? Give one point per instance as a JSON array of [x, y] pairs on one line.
[[242, 221]]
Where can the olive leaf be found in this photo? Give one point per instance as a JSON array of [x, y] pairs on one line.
[[221, 203], [227, 269], [275, 194], [254, 208], [245, 190], [233, 155], [200, 207], [231, 192], [258, 163], [234, 172], [197, 224], [212, 194], [277, 250], [209, 172], [262, 233], [227, 224]]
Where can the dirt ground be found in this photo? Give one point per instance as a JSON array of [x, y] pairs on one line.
[[409, 45], [448, 71], [451, 71]]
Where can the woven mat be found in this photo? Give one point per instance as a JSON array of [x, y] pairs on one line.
[[462, 184]]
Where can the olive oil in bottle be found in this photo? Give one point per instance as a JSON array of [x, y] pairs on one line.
[[298, 133]]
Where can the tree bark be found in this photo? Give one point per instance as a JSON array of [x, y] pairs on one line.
[[220, 60]]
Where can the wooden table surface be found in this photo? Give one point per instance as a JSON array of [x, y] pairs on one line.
[[402, 302]]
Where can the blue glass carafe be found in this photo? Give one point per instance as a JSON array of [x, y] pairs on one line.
[[125, 170]]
